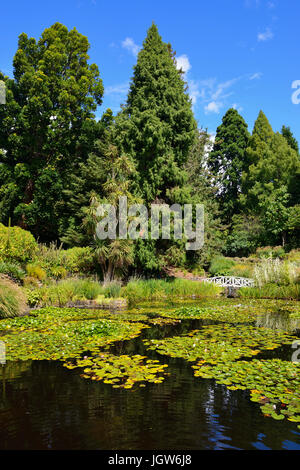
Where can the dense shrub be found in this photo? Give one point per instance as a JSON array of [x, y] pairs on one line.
[[221, 266], [80, 260], [12, 299], [242, 270], [35, 271], [12, 270], [16, 244], [270, 252]]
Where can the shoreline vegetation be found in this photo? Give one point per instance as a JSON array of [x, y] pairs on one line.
[[45, 278], [35, 276]]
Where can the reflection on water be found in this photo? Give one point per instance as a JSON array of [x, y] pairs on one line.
[[278, 321], [46, 406]]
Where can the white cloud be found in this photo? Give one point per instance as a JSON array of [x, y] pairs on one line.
[[120, 89], [237, 107], [130, 45], [183, 63], [255, 76], [266, 36], [213, 107]]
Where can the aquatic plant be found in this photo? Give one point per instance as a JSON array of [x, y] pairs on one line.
[[274, 384], [120, 371], [219, 343], [59, 335]]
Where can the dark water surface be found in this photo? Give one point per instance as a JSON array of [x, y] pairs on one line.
[[43, 405]]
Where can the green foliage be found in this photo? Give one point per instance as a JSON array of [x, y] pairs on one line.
[[246, 232], [270, 252], [227, 160], [156, 125], [288, 135], [12, 299], [112, 290], [274, 384], [16, 244], [274, 271], [61, 334], [65, 291], [155, 289], [35, 271], [47, 125], [79, 260], [271, 291], [221, 266], [273, 164], [12, 270], [121, 371]]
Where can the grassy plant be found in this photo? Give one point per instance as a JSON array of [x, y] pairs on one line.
[[62, 292], [274, 271], [156, 289], [112, 290], [271, 291], [12, 299]]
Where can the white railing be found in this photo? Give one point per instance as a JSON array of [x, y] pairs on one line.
[[231, 281]]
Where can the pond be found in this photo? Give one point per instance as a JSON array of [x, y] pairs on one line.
[[46, 405]]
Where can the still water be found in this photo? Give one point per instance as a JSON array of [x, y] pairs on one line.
[[43, 405]]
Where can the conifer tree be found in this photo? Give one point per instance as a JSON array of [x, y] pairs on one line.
[[227, 161], [273, 164], [156, 125]]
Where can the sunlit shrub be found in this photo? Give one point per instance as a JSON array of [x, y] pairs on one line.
[[35, 271], [16, 244]]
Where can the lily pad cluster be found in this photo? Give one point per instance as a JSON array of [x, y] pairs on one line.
[[219, 343], [59, 334], [121, 371], [274, 384], [226, 314]]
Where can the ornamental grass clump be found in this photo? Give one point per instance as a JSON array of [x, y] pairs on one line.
[[12, 299], [275, 271]]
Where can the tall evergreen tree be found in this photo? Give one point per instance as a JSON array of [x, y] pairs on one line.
[[156, 125], [47, 126], [291, 140], [273, 163], [227, 160]]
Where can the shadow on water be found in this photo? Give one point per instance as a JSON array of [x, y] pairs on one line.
[[46, 406]]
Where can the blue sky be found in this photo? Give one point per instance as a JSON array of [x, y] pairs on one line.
[[241, 53]]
